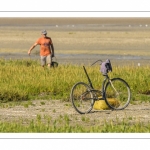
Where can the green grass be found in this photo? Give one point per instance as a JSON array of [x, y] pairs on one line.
[[62, 125], [26, 80]]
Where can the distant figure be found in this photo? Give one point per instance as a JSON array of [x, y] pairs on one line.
[[46, 49]]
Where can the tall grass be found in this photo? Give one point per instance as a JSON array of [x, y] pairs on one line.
[[26, 79]]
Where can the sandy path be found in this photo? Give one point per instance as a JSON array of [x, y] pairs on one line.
[[56, 108]]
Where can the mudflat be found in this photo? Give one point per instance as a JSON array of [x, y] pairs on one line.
[[79, 40]]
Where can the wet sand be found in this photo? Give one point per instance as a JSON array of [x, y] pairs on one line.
[[124, 41]]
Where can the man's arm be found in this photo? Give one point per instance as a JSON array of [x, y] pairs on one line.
[[52, 47], [31, 48]]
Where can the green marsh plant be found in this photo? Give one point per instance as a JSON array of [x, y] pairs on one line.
[[23, 80]]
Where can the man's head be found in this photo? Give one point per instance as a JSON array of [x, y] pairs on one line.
[[44, 32]]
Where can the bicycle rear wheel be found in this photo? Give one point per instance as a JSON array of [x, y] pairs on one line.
[[117, 94], [82, 98]]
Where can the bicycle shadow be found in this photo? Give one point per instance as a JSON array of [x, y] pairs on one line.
[[113, 110], [102, 111]]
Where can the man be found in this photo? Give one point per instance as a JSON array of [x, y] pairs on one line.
[[46, 49]]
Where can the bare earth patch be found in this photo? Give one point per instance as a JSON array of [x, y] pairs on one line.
[[56, 108]]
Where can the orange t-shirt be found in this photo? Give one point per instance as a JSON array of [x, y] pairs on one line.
[[44, 43]]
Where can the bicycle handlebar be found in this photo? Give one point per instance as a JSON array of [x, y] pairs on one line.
[[96, 62]]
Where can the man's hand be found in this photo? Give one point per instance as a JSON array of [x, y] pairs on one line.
[[53, 55], [29, 52]]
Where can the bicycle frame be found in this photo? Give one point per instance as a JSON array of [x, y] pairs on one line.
[[103, 84], [114, 91], [89, 80]]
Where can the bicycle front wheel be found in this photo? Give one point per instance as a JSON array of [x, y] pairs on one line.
[[117, 94], [82, 98]]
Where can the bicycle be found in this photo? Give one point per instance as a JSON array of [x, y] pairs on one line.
[[115, 92]]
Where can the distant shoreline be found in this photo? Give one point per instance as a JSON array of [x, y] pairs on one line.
[[73, 20], [83, 59]]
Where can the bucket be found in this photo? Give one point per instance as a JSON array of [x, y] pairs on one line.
[[101, 104], [54, 63]]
